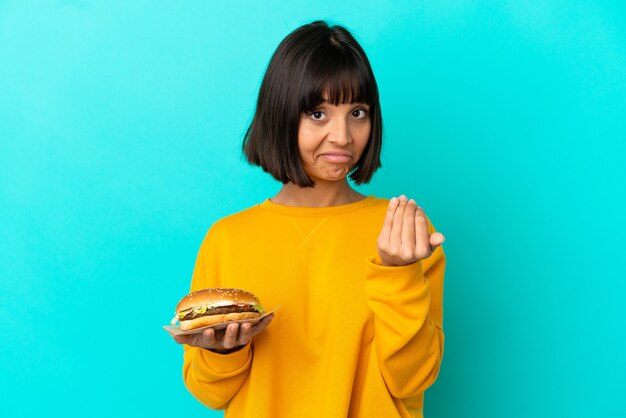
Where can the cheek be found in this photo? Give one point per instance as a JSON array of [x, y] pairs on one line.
[[306, 147], [361, 138], [308, 140]]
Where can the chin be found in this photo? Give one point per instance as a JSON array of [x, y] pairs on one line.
[[335, 173]]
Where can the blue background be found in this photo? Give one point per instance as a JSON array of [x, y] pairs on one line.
[[120, 129]]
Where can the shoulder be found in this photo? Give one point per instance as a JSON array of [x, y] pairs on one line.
[[226, 231], [376, 208], [236, 221], [379, 203]]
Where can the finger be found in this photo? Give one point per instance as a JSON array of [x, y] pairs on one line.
[[408, 231], [262, 324], [383, 238], [436, 239], [245, 333], [209, 338], [230, 337], [186, 339], [395, 239], [179, 338], [422, 237]]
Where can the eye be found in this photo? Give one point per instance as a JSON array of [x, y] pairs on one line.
[[317, 115], [359, 113]]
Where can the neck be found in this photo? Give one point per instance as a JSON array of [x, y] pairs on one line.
[[322, 195]]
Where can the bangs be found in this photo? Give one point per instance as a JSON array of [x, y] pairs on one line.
[[314, 64], [337, 76]]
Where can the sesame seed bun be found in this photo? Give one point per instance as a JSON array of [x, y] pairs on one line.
[[222, 305]]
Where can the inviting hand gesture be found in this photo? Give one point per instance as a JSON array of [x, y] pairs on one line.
[[404, 238]]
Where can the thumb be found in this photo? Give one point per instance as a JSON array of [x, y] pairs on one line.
[[436, 239]]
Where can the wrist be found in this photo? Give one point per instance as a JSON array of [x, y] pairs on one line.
[[226, 350]]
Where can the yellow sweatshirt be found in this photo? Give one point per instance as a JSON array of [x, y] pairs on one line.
[[352, 338]]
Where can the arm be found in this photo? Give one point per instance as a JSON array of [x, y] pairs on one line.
[[211, 377], [405, 286], [214, 378], [407, 306]]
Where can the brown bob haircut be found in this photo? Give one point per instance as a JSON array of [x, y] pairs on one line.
[[313, 61]]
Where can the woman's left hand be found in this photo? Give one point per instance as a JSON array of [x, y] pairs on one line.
[[404, 238]]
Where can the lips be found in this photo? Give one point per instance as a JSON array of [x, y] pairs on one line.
[[336, 157]]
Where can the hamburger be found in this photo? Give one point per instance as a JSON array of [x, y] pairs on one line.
[[214, 305]]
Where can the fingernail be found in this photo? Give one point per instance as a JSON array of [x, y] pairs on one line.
[[403, 198], [393, 200], [411, 201]]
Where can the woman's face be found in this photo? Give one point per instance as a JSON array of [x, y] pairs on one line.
[[332, 138]]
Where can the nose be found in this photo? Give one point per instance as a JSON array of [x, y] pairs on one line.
[[339, 132]]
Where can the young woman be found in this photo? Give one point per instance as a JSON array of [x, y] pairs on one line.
[[358, 279]]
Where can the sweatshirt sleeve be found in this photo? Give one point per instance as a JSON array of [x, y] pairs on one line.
[[408, 331], [213, 378]]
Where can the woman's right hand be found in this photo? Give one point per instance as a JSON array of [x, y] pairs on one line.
[[226, 340]]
